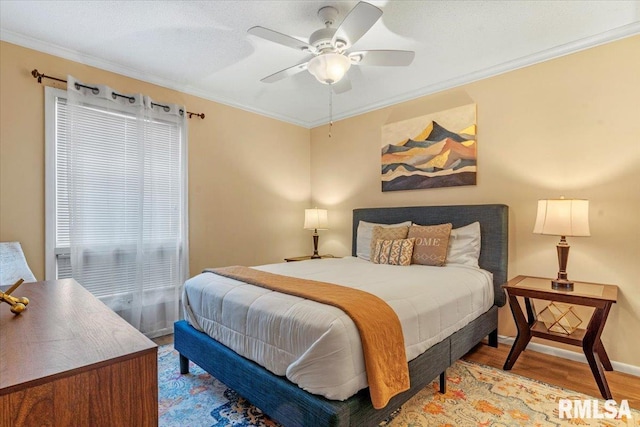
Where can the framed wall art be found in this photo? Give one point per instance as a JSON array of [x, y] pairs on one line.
[[432, 151]]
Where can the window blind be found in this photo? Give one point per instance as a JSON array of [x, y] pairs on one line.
[[112, 210]]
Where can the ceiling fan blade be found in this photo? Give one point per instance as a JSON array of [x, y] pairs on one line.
[[359, 20], [280, 38], [382, 57], [343, 85], [287, 72]]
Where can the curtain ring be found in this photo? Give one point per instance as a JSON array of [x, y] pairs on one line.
[[181, 112], [132, 99], [166, 108], [113, 95], [95, 90]]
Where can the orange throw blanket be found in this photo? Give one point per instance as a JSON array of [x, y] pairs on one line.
[[380, 330]]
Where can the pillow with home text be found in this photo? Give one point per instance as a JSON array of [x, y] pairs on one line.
[[431, 243]]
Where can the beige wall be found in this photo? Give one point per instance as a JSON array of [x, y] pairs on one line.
[[565, 127], [248, 174], [568, 127]]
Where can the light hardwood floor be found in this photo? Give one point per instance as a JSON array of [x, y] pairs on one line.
[[560, 372], [164, 340], [543, 367]]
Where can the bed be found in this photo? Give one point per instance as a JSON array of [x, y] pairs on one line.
[[289, 404]]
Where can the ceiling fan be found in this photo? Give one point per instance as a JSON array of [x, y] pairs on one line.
[[330, 60]]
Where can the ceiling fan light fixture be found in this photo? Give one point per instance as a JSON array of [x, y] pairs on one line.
[[329, 68]]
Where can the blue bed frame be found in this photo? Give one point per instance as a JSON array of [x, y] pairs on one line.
[[288, 404]]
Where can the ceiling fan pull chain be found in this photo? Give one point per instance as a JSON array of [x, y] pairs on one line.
[[330, 108]]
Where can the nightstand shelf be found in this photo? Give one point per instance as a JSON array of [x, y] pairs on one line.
[[539, 330], [595, 295]]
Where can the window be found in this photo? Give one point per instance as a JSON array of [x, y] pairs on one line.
[[131, 210]]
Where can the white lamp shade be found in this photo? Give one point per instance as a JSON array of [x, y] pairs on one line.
[[316, 219], [562, 217], [329, 68]]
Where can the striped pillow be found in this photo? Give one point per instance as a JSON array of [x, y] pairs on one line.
[[387, 233], [393, 252]]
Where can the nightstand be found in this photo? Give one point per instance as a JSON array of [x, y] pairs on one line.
[[306, 257], [594, 295]]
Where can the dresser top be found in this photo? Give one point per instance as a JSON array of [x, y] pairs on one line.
[[64, 330]]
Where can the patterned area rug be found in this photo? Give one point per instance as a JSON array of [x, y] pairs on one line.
[[477, 396]]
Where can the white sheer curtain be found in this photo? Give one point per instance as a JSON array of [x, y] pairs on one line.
[[127, 187]]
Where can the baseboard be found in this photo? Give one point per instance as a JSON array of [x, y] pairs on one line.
[[571, 355]]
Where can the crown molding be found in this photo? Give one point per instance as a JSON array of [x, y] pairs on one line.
[[525, 61], [92, 61]]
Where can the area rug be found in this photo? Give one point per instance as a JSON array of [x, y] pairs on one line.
[[477, 396]]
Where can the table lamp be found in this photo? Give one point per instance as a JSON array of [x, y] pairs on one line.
[[315, 219], [562, 217]]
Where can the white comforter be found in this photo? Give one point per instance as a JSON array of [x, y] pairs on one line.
[[318, 346]]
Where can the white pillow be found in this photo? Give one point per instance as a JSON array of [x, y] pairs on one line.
[[464, 245], [363, 237]]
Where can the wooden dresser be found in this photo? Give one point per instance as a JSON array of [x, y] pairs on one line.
[[68, 360]]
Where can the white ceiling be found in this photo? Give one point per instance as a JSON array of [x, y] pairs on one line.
[[202, 47]]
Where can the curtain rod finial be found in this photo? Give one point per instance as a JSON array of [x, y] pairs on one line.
[[37, 75], [190, 114]]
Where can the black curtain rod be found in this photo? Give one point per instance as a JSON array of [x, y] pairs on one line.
[[41, 76]]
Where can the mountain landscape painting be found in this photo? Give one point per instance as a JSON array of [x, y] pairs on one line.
[[432, 151]]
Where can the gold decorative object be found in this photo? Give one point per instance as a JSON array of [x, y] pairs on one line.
[[560, 318], [18, 304]]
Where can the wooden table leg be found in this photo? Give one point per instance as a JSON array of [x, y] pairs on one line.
[[593, 349], [524, 332], [531, 314], [604, 357]]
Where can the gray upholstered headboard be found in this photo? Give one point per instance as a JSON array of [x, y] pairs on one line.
[[494, 231]]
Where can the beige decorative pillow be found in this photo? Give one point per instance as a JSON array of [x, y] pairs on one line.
[[387, 233], [432, 242], [393, 252], [363, 239]]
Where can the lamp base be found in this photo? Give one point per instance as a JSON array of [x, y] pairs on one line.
[[562, 285], [315, 245]]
